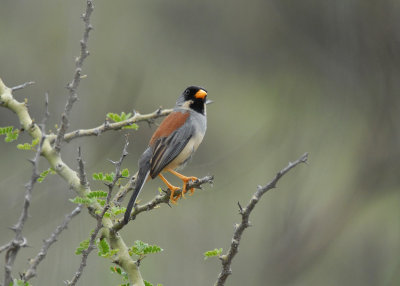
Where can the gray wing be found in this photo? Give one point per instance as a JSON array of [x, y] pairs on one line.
[[166, 149]]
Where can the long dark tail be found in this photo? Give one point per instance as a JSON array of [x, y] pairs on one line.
[[141, 179]]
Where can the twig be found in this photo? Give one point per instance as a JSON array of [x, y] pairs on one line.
[[163, 198], [73, 86], [31, 272], [118, 165], [20, 241], [81, 168], [119, 196], [86, 252], [227, 258], [99, 225], [5, 247], [96, 131], [21, 86]]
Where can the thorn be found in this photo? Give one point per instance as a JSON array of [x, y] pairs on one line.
[[240, 208]]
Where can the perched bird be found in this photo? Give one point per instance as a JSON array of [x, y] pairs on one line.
[[173, 144]]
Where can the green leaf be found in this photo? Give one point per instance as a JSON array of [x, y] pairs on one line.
[[109, 177], [116, 269], [45, 173], [103, 177], [97, 176], [212, 253], [82, 246], [125, 173], [119, 271], [12, 136], [147, 283], [35, 142], [5, 130], [131, 126], [118, 118], [18, 282], [141, 248], [80, 200], [104, 249], [25, 146], [97, 194], [101, 202], [125, 116], [106, 214], [118, 210]]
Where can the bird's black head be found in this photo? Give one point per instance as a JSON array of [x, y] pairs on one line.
[[193, 97]]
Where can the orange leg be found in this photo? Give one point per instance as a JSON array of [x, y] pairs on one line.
[[172, 188], [185, 181]]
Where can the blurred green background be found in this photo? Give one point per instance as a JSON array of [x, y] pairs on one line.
[[286, 76]]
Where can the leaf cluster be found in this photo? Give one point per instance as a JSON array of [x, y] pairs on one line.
[[19, 282], [104, 249], [212, 253], [10, 133], [141, 249], [122, 117], [27, 146], [44, 174]]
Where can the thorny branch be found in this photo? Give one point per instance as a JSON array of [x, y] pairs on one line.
[[21, 86], [96, 131], [81, 168], [31, 272], [19, 241], [86, 252], [99, 225], [74, 180], [73, 86], [227, 258], [163, 198]]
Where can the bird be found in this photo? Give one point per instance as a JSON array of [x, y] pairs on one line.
[[173, 144]]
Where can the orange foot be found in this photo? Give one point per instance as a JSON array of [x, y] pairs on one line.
[[172, 188], [185, 181]]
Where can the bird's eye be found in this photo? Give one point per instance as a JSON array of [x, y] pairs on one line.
[[187, 92]]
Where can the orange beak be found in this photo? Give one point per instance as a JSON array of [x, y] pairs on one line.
[[201, 94]]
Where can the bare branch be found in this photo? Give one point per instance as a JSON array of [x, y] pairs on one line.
[[118, 165], [19, 241], [86, 252], [120, 195], [96, 131], [227, 258], [21, 86], [31, 272], [81, 168], [163, 198], [5, 247], [73, 86]]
